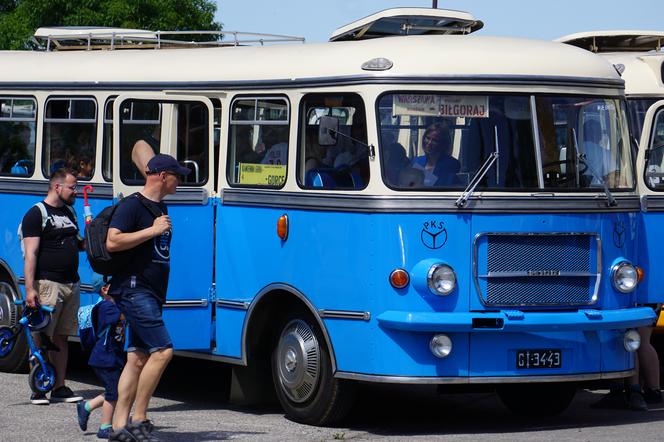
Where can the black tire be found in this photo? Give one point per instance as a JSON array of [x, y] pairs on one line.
[[537, 400], [17, 360], [42, 378], [303, 378]]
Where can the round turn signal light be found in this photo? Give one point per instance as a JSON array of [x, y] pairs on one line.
[[282, 227], [399, 278]]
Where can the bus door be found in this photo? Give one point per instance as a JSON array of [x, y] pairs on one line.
[[181, 126], [651, 189]]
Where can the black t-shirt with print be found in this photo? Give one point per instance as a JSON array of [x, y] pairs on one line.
[[149, 262], [58, 244]]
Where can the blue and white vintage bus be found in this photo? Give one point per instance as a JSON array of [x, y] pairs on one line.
[[640, 59], [404, 204]]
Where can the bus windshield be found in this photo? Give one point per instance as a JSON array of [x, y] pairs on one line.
[[434, 141]]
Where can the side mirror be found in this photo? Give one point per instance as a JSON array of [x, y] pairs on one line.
[[327, 131]]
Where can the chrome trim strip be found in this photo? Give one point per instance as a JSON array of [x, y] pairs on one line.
[[358, 202], [40, 187], [238, 305], [186, 303], [652, 203], [595, 295], [21, 281], [483, 379], [342, 80], [536, 137], [187, 195], [344, 314], [292, 291], [535, 274], [208, 357]]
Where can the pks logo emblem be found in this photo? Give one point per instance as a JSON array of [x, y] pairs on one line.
[[619, 234], [434, 234]]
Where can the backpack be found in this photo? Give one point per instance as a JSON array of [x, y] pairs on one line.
[[101, 260], [44, 215], [87, 319]]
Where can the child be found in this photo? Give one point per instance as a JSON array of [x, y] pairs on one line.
[[106, 359]]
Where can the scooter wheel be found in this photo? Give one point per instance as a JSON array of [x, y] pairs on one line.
[[6, 341], [42, 378]]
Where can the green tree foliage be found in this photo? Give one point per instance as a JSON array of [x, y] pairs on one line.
[[20, 18]]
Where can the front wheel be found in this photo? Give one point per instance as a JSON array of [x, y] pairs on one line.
[[16, 359], [303, 378], [42, 378], [537, 400]]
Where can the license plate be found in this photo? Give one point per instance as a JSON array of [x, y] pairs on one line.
[[539, 358]]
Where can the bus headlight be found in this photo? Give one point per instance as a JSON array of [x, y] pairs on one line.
[[441, 346], [632, 340], [624, 277], [441, 279]]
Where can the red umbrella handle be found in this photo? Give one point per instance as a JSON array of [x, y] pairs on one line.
[[86, 189]]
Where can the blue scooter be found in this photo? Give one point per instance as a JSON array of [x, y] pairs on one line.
[[33, 319]]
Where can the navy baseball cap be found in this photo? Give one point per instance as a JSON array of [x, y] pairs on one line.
[[166, 163]]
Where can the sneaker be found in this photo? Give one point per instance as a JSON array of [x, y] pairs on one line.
[[122, 435], [652, 396], [64, 394], [104, 433], [636, 401], [147, 423], [83, 416], [613, 400], [39, 399], [140, 431]]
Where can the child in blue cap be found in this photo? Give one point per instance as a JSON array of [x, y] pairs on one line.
[[106, 359]]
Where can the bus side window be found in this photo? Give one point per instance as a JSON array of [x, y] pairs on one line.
[[258, 142], [192, 141], [139, 120], [344, 166], [654, 175], [70, 136], [18, 117]]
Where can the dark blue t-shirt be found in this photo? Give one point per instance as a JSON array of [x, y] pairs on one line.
[[148, 263], [108, 351]]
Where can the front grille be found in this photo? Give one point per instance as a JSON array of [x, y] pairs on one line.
[[537, 269]]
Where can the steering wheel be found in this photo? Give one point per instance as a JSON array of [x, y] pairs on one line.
[[566, 177]]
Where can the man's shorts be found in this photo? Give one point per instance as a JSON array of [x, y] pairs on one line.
[[65, 299], [147, 331], [110, 377]]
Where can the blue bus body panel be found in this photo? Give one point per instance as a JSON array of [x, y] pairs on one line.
[[188, 311], [342, 261], [651, 251]]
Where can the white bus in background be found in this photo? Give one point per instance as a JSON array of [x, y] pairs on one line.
[[639, 58]]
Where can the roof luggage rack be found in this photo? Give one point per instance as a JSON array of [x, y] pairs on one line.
[[408, 21], [100, 38], [616, 41]]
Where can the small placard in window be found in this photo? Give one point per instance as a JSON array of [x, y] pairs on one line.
[[432, 105], [273, 175]]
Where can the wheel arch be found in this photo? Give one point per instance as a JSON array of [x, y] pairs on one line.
[[6, 274], [261, 316]]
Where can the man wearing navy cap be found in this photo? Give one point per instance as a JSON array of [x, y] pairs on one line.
[[141, 229]]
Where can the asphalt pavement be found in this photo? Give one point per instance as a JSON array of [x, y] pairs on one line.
[[191, 405]]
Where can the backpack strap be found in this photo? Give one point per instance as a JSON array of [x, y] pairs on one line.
[[148, 205], [44, 215], [73, 214]]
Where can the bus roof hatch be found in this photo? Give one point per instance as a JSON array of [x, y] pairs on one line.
[[616, 41], [408, 21]]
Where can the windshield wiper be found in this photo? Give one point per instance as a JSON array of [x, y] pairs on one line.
[[581, 157], [463, 199]]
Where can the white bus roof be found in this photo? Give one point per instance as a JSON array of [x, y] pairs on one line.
[[638, 54], [616, 41], [408, 21], [425, 58]]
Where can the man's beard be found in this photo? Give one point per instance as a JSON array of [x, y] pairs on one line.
[[70, 201]]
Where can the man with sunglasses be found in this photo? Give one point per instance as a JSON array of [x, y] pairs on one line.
[[51, 243], [141, 230]]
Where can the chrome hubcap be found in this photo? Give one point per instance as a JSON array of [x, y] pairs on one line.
[[7, 307], [298, 360]]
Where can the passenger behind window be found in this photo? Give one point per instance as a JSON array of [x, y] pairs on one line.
[[411, 177], [144, 149], [437, 163], [394, 158], [600, 165], [244, 146], [82, 166], [17, 151], [276, 148]]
